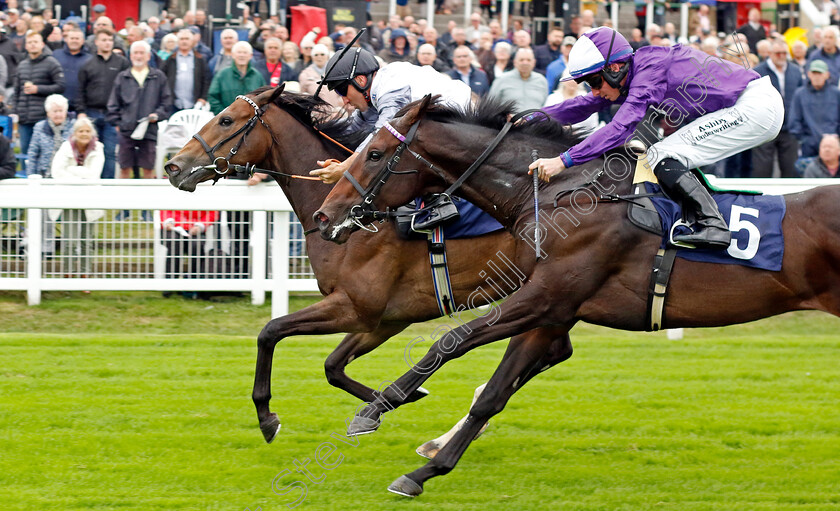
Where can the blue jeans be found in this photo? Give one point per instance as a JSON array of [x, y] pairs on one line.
[[25, 132], [107, 134]]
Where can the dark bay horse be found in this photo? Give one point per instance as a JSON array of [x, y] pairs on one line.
[[596, 265], [374, 286]]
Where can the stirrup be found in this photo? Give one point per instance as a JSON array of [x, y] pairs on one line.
[[671, 241]]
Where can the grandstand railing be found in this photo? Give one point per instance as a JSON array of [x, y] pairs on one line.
[[129, 254]]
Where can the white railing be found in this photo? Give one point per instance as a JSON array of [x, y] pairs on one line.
[[129, 255]]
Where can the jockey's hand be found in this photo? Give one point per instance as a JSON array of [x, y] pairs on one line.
[[547, 167], [331, 170]]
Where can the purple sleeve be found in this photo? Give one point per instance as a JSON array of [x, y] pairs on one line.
[[575, 110], [651, 88]]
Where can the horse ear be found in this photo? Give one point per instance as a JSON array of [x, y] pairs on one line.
[[270, 95], [419, 108], [277, 91]]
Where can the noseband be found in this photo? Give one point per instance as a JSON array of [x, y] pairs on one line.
[[245, 129]]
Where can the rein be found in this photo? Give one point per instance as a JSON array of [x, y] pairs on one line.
[[366, 210]]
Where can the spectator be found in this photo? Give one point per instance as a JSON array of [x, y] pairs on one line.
[[203, 28], [637, 39], [96, 80], [290, 55], [240, 78], [81, 157], [815, 110], [103, 23], [521, 39], [800, 55], [816, 40], [273, 70], [259, 37], [786, 78], [828, 161], [187, 74], [763, 49], [426, 56], [136, 34], [168, 46], [8, 162], [550, 51], [753, 29], [199, 46], [459, 38], [158, 33], [47, 136], [555, 69], [11, 55], [527, 89], [398, 50], [446, 37], [467, 73], [139, 93], [442, 50], [566, 91], [305, 55], [503, 61], [19, 34], [4, 76], [828, 54], [38, 76], [183, 234], [72, 57], [224, 59], [310, 76], [475, 29]]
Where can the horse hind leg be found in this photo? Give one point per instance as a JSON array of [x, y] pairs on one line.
[[559, 351], [519, 364]]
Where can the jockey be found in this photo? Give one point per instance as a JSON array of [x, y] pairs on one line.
[[378, 94], [725, 107]]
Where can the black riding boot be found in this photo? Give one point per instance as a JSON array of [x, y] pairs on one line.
[[710, 230]]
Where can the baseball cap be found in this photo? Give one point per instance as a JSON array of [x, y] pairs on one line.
[[195, 30], [818, 66], [569, 40], [99, 8]]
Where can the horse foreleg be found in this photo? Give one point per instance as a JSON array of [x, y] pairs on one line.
[[329, 316], [352, 347], [455, 343], [559, 351], [521, 362]]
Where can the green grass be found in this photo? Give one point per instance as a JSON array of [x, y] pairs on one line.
[[128, 401]]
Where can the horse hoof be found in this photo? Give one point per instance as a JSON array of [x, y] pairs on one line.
[[362, 426], [270, 427], [417, 395], [405, 487], [428, 450]]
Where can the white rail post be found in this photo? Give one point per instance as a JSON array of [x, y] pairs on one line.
[[258, 241], [430, 12], [467, 12], [505, 15], [650, 7], [34, 233], [684, 21], [614, 14], [280, 264], [392, 8]]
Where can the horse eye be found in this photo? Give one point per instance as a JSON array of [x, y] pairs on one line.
[[375, 156], [226, 121]]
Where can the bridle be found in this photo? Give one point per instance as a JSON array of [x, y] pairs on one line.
[[245, 129], [366, 210]]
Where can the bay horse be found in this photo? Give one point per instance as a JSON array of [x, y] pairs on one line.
[[374, 286], [596, 265]]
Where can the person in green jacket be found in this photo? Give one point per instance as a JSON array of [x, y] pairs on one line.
[[240, 78]]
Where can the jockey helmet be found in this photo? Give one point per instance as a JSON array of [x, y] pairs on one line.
[[594, 52], [344, 66]]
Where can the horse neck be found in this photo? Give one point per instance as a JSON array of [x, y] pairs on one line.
[[296, 151], [501, 186]]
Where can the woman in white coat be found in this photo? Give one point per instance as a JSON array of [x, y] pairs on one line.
[[81, 157]]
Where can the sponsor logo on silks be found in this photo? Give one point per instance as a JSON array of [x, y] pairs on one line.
[[726, 120]]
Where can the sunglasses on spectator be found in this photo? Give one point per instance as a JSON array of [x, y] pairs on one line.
[[780, 53]]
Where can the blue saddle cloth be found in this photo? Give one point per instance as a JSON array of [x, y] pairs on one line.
[[754, 220], [471, 222]]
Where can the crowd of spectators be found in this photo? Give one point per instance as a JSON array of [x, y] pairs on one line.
[[125, 82]]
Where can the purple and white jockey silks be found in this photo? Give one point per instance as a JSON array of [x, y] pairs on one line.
[[684, 84]]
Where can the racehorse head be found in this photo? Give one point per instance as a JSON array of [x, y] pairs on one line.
[[238, 135], [352, 203]]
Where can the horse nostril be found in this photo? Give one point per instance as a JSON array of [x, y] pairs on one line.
[[321, 219], [172, 169]]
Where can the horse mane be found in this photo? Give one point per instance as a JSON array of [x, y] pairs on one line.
[[493, 113], [319, 115]]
